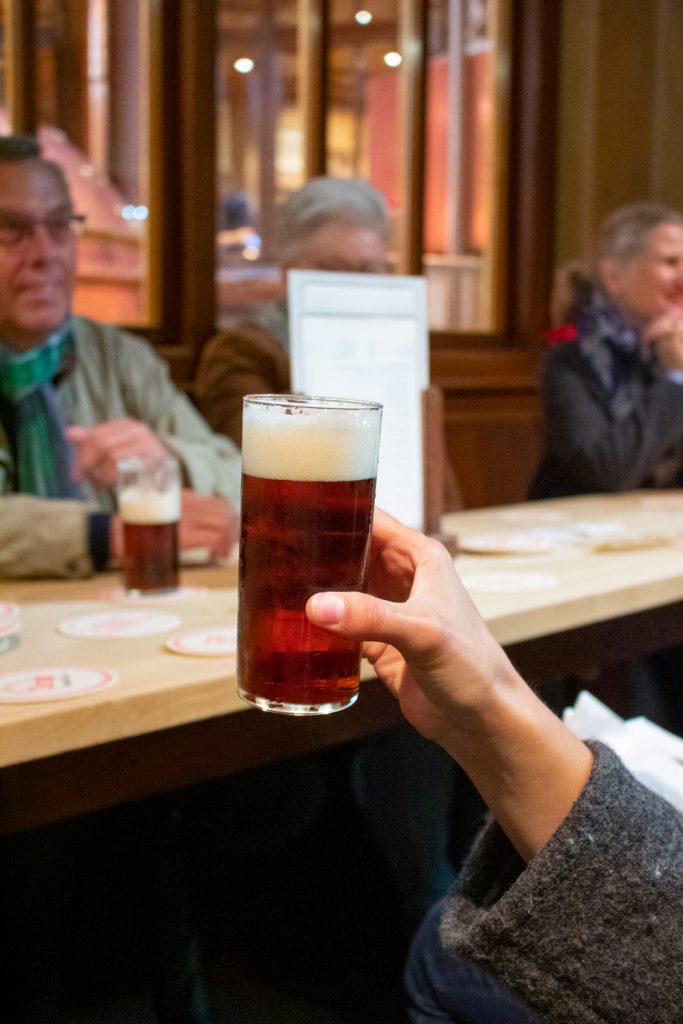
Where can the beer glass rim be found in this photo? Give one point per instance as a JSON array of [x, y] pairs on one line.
[[145, 462], [313, 402]]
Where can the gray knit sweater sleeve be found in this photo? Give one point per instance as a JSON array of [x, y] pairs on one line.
[[591, 930]]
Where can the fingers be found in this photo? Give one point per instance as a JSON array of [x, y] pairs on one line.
[[670, 350], [208, 521], [99, 448], [670, 322], [394, 555], [366, 618]]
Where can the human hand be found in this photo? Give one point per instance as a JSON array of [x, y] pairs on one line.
[[665, 333], [454, 683], [99, 448], [209, 522], [424, 637], [206, 522]]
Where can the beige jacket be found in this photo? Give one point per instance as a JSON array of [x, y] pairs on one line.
[[116, 375]]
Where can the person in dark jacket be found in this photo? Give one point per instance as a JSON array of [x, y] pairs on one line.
[[612, 394]]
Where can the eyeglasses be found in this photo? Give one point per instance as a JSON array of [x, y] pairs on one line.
[[61, 227]]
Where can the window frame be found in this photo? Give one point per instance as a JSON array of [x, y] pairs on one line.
[[182, 175]]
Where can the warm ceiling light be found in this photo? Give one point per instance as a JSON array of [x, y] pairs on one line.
[[392, 59], [363, 17], [244, 65]]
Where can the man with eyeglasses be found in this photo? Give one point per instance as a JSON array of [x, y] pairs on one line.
[[76, 396]]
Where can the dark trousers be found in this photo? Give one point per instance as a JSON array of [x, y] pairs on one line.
[[443, 987]]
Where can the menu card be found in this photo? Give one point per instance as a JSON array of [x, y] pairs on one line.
[[364, 336]]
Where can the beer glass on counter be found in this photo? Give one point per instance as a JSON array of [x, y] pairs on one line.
[[308, 486], [148, 492]]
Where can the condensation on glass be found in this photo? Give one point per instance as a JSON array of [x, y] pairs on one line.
[[92, 73], [467, 61], [259, 147]]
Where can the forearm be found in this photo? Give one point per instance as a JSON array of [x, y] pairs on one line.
[[44, 537], [528, 767]]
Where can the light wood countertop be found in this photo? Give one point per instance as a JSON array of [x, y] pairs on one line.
[[591, 586], [158, 690]]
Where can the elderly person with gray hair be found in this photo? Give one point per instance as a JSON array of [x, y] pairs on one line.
[[613, 397], [329, 224], [78, 395]]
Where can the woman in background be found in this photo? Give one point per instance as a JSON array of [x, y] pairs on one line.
[[613, 393]]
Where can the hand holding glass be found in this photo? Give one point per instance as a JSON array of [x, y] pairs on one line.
[[149, 507], [308, 487]]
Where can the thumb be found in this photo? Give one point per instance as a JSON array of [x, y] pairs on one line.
[[357, 616], [77, 433]]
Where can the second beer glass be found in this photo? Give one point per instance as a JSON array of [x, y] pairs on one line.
[[308, 486], [149, 508]]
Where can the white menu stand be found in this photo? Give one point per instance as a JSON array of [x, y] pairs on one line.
[[364, 336]]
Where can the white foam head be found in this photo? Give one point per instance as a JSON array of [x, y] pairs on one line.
[[310, 439], [141, 505]]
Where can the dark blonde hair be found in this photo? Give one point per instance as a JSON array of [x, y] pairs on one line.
[[621, 236]]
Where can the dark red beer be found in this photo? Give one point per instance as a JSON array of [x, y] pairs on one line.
[[308, 488], [150, 557], [149, 506], [298, 538]]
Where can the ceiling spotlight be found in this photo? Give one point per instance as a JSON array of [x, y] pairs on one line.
[[363, 17], [244, 65], [392, 59]]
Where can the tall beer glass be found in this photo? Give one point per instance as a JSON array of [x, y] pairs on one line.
[[149, 507], [308, 486]]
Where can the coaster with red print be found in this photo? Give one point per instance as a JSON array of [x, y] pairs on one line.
[[54, 683]]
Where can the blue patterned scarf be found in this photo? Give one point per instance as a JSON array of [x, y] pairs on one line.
[[44, 455], [614, 351]]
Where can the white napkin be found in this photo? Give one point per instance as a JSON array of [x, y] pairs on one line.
[[652, 754]]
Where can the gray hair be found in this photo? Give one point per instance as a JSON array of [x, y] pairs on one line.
[[621, 236], [15, 149], [326, 199]]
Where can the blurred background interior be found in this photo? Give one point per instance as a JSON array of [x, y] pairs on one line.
[[500, 132]]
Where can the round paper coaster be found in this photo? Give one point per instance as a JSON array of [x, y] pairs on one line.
[[180, 594], [534, 515], [207, 643], [56, 683], [508, 582], [504, 544], [122, 624], [9, 614]]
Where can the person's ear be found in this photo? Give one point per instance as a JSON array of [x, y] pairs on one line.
[[611, 274]]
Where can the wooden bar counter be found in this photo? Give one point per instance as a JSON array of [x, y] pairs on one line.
[[172, 720]]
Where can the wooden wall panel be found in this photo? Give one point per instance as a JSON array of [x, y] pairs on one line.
[[620, 113], [493, 442]]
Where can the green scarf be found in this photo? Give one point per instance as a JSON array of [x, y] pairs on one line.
[[43, 451]]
